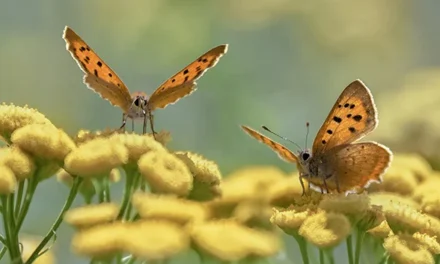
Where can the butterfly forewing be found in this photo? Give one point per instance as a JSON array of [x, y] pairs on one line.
[[281, 150], [352, 166], [184, 82], [353, 116], [98, 76]]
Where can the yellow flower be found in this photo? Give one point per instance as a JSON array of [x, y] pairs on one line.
[[385, 199], [44, 141], [230, 241], [290, 220], [405, 249], [325, 230], [151, 206], [352, 205], [137, 145], [165, 173], [18, 161], [14, 117], [382, 230], [29, 244], [426, 188], [154, 240], [90, 215], [399, 180], [7, 180], [430, 242], [373, 217], [100, 241], [413, 162], [431, 204], [286, 191], [95, 158], [253, 213], [84, 136], [207, 176], [404, 218]]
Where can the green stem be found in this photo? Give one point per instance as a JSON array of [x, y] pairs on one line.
[[437, 259], [349, 243], [19, 198], [3, 251], [359, 239], [303, 248], [106, 183], [30, 191], [129, 177], [136, 182], [321, 256], [330, 257], [73, 192], [384, 258], [9, 227]]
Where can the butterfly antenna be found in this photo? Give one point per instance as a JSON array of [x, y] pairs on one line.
[[284, 138], [307, 133]]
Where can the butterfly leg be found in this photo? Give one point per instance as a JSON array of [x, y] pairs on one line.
[[337, 184], [144, 128], [325, 185], [302, 184], [124, 121], [152, 127]]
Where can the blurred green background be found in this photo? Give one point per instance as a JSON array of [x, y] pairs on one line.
[[287, 62]]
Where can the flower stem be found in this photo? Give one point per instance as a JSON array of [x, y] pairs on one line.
[[331, 258], [129, 178], [359, 239], [349, 243], [321, 256], [19, 198], [30, 191], [303, 248], [384, 258], [3, 251], [73, 192]]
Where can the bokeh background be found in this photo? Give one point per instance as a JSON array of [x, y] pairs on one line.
[[287, 62]]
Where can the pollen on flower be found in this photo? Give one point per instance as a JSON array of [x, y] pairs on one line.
[[401, 217], [407, 250], [381, 231], [99, 241], [90, 215], [325, 230], [14, 117], [165, 173], [137, 145], [430, 242], [290, 220], [7, 180], [84, 136], [168, 207], [385, 200], [97, 157], [352, 205], [154, 240], [207, 176], [230, 241], [18, 161], [44, 141]]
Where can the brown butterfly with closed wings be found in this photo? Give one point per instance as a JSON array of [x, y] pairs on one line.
[[103, 80], [337, 162]]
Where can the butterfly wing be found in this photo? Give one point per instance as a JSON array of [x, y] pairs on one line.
[[351, 166], [353, 116], [184, 82], [99, 77], [281, 150]]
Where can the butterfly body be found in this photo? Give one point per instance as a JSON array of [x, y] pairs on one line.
[[336, 163], [100, 78]]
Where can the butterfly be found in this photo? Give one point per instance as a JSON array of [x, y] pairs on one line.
[[100, 78], [336, 162]]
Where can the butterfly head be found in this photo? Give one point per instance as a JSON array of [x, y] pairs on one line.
[[304, 157], [138, 105]]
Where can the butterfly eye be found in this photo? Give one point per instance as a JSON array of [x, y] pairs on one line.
[[305, 156], [137, 102]]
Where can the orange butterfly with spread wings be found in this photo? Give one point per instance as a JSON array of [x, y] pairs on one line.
[[100, 78]]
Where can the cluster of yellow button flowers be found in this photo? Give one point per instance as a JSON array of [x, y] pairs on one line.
[[175, 204]]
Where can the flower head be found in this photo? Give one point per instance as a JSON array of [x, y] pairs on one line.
[[84, 136], [325, 230], [7, 180], [151, 206], [18, 161], [399, 180], [407, 250], [14, 117], [207, 176], [353, 205], [165, 173], [415, 163], [290, 220], [97, 157], [90, 215], [44, 142]]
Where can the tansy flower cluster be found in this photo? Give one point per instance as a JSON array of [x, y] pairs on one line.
[[176, 205]]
